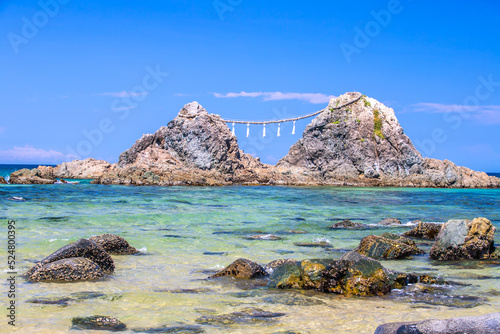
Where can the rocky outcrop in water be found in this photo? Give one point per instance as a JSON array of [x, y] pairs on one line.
[[388, 246], [464, 239], [242, 268], [67, 269], [355, 141], [424, 231], [352, 275], [98, 322], [483, 324], [114, 244], [347, 224], [2, 180], [77, 169]]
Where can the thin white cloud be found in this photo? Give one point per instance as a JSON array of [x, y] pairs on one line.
[[314, 98], [124, 93], [489, 114], [30, 154]]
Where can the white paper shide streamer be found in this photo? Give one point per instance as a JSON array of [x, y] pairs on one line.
[[264, 131], [279, 128], [248, 129], [233, 129], [293, 130]]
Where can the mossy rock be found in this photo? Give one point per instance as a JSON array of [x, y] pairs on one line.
[[286, 276], [388, 246]]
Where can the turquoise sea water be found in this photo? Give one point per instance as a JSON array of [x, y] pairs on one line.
[[186, 233]]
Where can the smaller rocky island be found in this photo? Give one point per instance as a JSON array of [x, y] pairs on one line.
[[354, 141]]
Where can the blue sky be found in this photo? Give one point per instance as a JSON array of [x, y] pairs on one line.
[[88, 78]]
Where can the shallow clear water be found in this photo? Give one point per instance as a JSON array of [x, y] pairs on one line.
[[175, 226]]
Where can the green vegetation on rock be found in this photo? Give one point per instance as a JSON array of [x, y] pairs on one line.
[[377, 124]]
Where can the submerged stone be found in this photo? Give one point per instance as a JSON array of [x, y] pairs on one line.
[[347, 224], [248, 315], [98, 322], [181, 329], [389, 221], [271, 237]]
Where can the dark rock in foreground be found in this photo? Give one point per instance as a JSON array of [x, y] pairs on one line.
[[242, 268], [347, 224], [464, 239], [81, 248], [68, 269], [388, 246], [98, 322], [2, 180], [483, 324], [424, 231], [114, 244]]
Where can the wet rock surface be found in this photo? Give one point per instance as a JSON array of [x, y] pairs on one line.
[[424, 231], [114, 244], [387, 246], [483, 324], [347, 224], [464, 239], [242, 268], [98, 322], [67, 269], [81, 248], [389, 221]]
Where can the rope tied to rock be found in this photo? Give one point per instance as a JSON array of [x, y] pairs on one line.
[[294, 120]]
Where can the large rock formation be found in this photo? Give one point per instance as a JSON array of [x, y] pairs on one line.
[[355, 141]]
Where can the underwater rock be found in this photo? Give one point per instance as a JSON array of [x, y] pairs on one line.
[[483, 324], [67, 269], [81, 248], [242, 268], [98, 322], [424, 231], [114, 244], [388, 246], [271, 237], [464, 239], [248, 315], [426, 294], [182, 329], [347, 224], [323, 244], [389, 221], [50, 301]]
